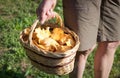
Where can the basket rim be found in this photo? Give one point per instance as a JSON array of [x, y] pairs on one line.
[[48, 53]]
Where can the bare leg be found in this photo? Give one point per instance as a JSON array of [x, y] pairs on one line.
[[104, 58], [81, 58]]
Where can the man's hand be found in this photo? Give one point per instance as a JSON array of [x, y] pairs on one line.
[[45, 10]]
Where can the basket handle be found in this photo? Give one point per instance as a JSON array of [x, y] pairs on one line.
[[58, 20]]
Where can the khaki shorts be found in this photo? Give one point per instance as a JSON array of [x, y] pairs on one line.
[[93, 20]]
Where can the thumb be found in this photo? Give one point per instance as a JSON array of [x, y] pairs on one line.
[[42, 21], [43, 18]]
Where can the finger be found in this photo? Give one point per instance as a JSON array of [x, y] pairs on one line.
[[43, 17], [50, 14]]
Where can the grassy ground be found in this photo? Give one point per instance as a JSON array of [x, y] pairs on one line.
[[14, 17]]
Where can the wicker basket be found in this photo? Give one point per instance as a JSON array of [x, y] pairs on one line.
[[59, 63]]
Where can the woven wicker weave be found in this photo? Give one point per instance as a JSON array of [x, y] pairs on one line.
[[59, 63]]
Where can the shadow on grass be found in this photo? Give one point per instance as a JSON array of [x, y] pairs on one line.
[[118, 76], [5, 73]]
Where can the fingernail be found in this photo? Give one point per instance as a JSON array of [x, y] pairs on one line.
[[42, 21]]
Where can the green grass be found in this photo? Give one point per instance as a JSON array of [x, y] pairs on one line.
[[14, 17]]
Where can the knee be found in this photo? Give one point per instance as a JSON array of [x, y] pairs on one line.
[[110, 45], [86, 52], [108, 48], [113, 45]]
